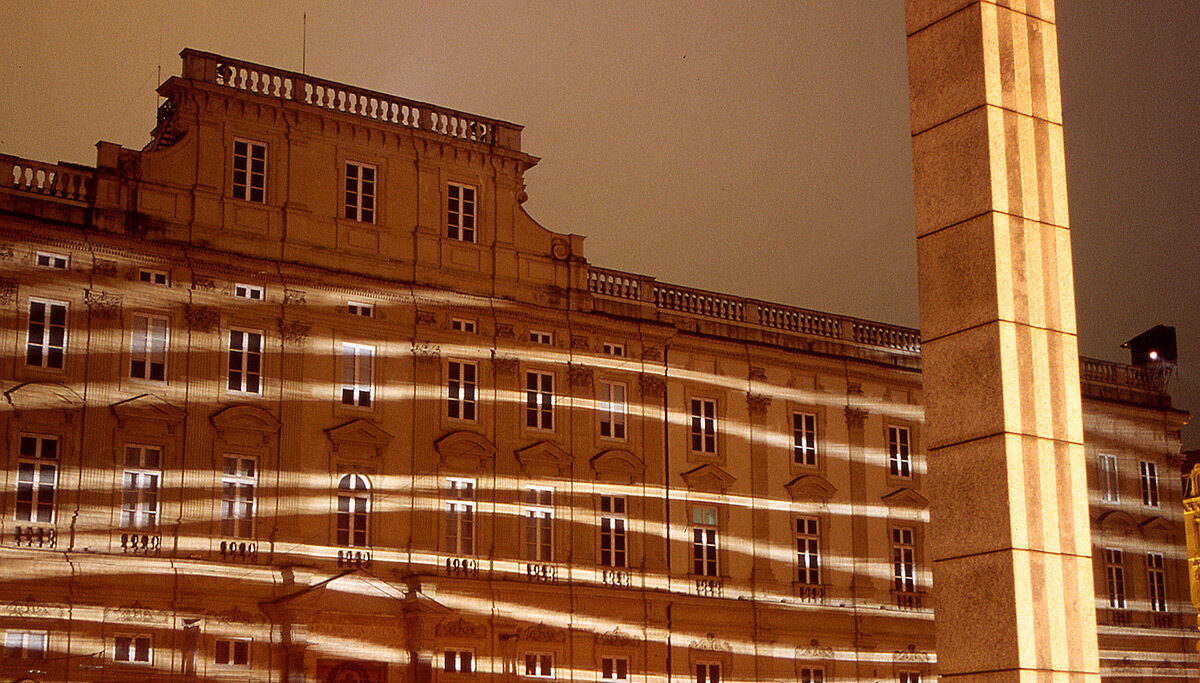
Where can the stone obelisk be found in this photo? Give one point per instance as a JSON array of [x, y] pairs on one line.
[[1009, 537]]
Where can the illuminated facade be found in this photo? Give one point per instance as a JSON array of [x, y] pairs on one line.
[[300, 393]]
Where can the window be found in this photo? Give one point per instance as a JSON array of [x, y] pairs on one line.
[[899, 455], [461, 325], [139, 497], [1114, 571], [612, 531], [1157, 581], [704, 541], [540, 337], [154, 277], [360, 309], [24, 644], [612, 410], [1149, 484], [360, 192], [909, 677], [708, 672], [252, 292], [804, 439], [47, 334], [250, 171], [812, 675], [357, 362], [245, 361], [614, 669], [232, 652], [460, 390], [904, 573], [460, 212], [808, 550], [148, 348], [539, 400], [704, 425], [460, 661], [460, 516], [239, 478], [37, 476], [134, 649], [1108, 479], [613, 349], [49, 260], [539, 664], [539, 522], [353, 506]]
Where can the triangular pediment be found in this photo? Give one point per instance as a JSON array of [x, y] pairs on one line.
[[250, 418], [147, 407], [708, 478], [544, 457], [464, 444], [905, 498], [1117, 522], [1157, 526], [43, 396], [359, 431], [619, 463], [810, 487], [419, 603]]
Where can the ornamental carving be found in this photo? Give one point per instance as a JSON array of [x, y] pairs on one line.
[[653, 385], [203, 282], [855, 417], [426, 350], [541, 633], [910, 655], [201, 318], [504, 330], [294, 331], [6, 252], [233, 615], [8, 291], [757, 404], [814, 650], [652, 353], [104, 267], [293, 297], [134, 614], [757, 373], [461, 628], [579, 342], [505, 365], [709, 642], [426, 318], [854, 388], [615, 638], [103, 304], [579, 375]]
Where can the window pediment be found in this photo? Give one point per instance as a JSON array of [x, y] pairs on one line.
[[466, 449], [1157, 527], [810, 487], [1117, 522], [544, 457], [618, 463], [42, 396], [147, 408], [905, 498], [709, 478], [357, 436], [245, 424]]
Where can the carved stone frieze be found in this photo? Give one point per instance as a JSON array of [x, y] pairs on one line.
[[757, 373], [854, 388], [757, 404], [425, 350], [652, 353], [504, 330], [653, 385], [8, 291], [912, 654], [710, 643], [580, 342], [106, 267], [505, 365], [294, 297], [615, 638], [203, 282], [201, 318], [541, 633], [6, 252], [814, 650], [461, 628], [103, 304], [426, 318], [855, 417], [294, 332], [579, 375]]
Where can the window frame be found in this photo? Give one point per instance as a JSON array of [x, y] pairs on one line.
[[612, 664], [541, 661], [231, 653], [462, 394], [46, 347], [245, 188], [465, 325], [613, 414], [1156, 582], [1110, 489], [241, 290], [145, 338], [352, 527], [702, 420], [1114, 577], [241, 523], [151, 276], [131, 649], [900, 452], [358, 375], [808, 550], [53, 260], [614, 527], [360, 202], [35, 487], [360, 309], [246, 356], [804, 439], [541, 338], [460, 506], [22, 650], [456, 654], [1149, 478], [139, 516], [457, 215], [705, 540], [614, 349], [904, 558], [539, 400], [539, 524], [704, 672]]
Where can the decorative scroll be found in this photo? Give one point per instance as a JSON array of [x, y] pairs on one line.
[[426, 350], [294, 297], [912, 654], [541, 633], [203, 282], [579, 342], [294, 331], [757, 404], [8, 291], [103, 304], [461, 628], [579, 375], [653, 385], [201, 318], [757, 373], [652, 353], [814, 650], [105, 267], [855, 417], [711, 644], [615, 638], [505, 365], [504, 330], [426, 318]]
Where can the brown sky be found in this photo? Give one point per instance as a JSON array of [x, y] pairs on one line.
[[760, 149]]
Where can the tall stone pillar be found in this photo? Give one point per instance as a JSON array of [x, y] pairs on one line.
[[1010, 541]]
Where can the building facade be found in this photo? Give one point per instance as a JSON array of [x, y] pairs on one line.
[[299, 392]]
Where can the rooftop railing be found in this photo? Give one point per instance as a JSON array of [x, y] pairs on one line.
[[60, 181], [1121, 375], [347, 99]]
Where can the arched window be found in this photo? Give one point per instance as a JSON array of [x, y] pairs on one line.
[[354, 506]]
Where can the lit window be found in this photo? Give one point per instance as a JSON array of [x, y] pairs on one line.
[[232, 652], [612, 531], [245, 361], [47, 336], [704, 425], [1157, 580], [708, 672], [904, 571], [539, 400], [614, 669], [154, 277], [462, 325], [353, 508], [357, 362], [148, 348], [458, 661], [460, 390], [539, 664], [239, 479], [37, 477], [250, 171], [704, 541], [899, 454], [139, 496], [612, 349], [48, 260], [252, 292], [133, 649], [460, 516], [539, 524], [25, 644], [536, 337], [1114, 571], [1108, 479], [360, 309], [808, 551], [360, 192], [804, 439], [460, 212], [612, 410], [812, 675], [1149, 484]]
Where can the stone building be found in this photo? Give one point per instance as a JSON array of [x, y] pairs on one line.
[[299, 392]]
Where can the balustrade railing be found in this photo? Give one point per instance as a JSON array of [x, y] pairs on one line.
[[348, 99], [48, 180], [1121, 375]]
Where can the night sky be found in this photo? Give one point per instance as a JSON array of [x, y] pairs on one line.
[[759, 149]]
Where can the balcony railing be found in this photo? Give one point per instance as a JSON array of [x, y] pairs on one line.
[[59, 181], [1120, 375], [348, 99]]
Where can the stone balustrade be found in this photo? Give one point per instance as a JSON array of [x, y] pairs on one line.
[[60, 181], [1121, 375], [348, 99]]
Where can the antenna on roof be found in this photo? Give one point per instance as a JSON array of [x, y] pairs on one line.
[[304, 43]]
